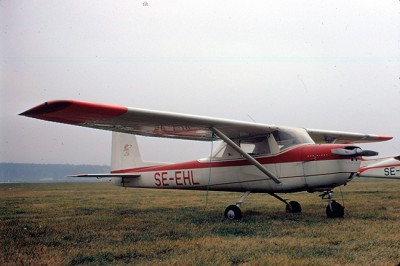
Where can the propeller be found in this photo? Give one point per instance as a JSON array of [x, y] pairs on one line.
[[354, 151]]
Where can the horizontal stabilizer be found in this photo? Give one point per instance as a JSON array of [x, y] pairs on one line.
[[129, 175]]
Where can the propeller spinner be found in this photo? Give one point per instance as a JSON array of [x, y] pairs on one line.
[[354, 151]]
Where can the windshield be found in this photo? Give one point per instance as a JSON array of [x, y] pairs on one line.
[[288, 137]]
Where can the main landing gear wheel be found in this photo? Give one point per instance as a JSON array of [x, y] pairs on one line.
[[293, 207], [233, 212], [334, 210]]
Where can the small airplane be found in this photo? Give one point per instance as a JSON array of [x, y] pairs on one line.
[[252, 157]]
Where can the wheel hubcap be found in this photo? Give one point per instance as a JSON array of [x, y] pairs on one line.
[[230, 214]]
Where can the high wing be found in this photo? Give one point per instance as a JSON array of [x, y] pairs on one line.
[[340, 137], [143, 122], [170, 125]]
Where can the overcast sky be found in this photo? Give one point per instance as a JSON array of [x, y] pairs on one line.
[[316, 64]]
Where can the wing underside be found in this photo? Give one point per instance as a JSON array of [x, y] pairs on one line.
[[143, 122], [170, 125]]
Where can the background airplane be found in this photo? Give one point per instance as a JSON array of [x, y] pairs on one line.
[[252, 157]]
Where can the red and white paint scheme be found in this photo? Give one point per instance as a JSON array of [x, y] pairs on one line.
[[252, 157], [381, 168]]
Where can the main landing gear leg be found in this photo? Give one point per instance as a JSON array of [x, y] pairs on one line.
[[334, 209], [233, 212], [291, 206]]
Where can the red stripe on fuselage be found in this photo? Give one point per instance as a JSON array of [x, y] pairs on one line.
[[317, 152]]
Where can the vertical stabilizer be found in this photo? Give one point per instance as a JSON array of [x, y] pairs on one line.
[[125, 153]]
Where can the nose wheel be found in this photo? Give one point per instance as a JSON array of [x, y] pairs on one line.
[[334, 209]]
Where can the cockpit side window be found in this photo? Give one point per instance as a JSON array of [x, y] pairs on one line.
[[284, 139], [225, 151], [258, 146]]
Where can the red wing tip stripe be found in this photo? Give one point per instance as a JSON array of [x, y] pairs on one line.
[[385, 137], [74, 112]]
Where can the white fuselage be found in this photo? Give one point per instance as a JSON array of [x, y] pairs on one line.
[[309, 167]]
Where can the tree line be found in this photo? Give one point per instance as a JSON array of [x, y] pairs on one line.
[[26, 172]]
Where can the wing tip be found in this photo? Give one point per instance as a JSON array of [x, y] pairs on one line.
[[385, 137], [46, 108], [73, 112]]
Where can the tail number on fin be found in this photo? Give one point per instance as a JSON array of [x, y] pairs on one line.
[[178, 178]]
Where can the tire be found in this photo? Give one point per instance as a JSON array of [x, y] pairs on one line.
[[293, 207], [337, 210], [233, 212]]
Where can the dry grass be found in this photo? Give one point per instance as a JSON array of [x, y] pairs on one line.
[[99, 224]]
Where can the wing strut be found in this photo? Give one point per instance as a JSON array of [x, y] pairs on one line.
[[244, 154]]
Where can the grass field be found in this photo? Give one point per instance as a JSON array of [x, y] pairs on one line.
[[100, 224]]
